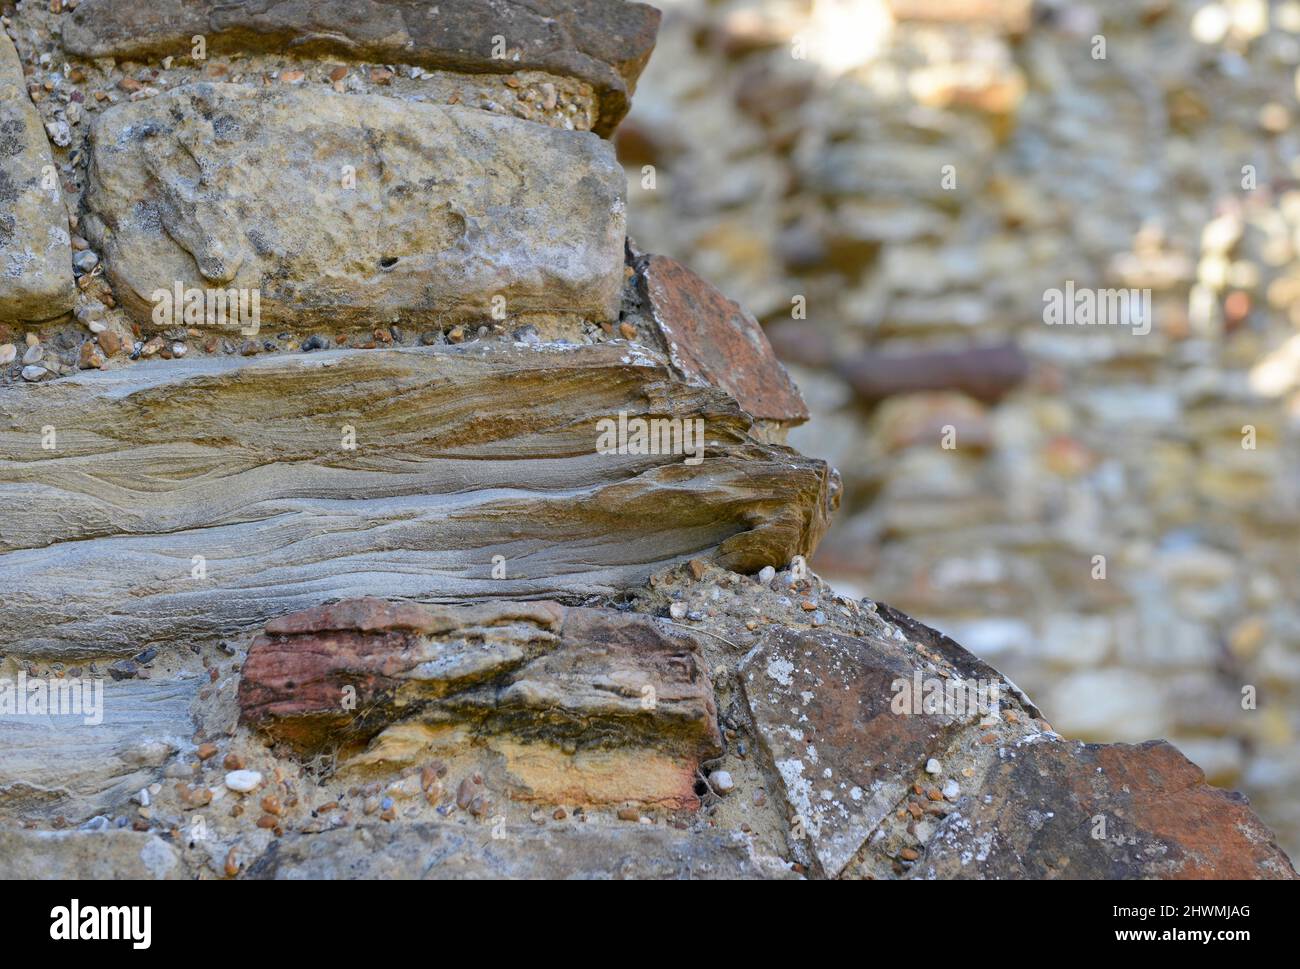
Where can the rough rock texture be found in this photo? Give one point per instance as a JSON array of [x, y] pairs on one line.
[[575, 677], [867, 732], [515, 740], [345, 208], [821, 704], [570, 697], [75, 767], [1074, 810], [711, 339], [77, 855], [823, 177], [498, 639], [192, 499], [603, 42], [35, 255], [438, 852]]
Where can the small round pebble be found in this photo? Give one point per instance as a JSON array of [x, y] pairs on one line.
[[722, 782], [243, 781], [766, 574], [951, 790], [932, 766]]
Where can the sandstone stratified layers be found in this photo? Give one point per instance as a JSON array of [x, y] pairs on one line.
[[193, 499]]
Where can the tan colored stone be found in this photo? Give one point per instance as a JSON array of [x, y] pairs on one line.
[[302, 203], [36, 281]]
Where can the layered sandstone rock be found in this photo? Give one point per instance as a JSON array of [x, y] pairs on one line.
[[190, 500], [88, 764], [405, 587], [755, 739]]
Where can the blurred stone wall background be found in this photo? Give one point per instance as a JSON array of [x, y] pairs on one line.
[[799, 150]]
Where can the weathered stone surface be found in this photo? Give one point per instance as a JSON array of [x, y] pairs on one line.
[[228, 186], [90, 855], [710, 338], [62, 765], [558, 684], [603, 42], [398, 658], [884, 788], [188, 501], [821, 705], [462, 453], [432, 851], [987, 540], [1052, 809], [35, 252], [935, 647], [612, 680]]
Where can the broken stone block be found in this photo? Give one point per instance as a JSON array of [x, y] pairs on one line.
[[612, 680], [572, 698], [348, 209], [888, 769], [388, 660], [605, 43], [711, 339], [1056, 809], [987, 373], [821, 704], [36, 282]]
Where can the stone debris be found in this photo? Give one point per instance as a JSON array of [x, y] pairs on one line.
[[243, 781]]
